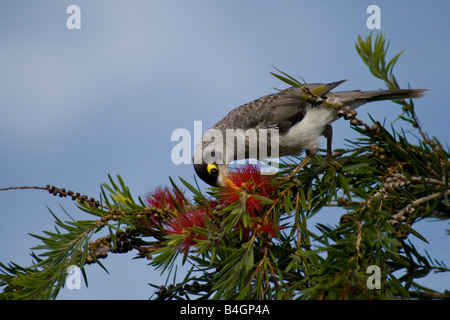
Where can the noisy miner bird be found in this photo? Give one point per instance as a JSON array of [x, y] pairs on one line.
[[301, 115]]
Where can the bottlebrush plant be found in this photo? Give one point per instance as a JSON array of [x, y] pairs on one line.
[[253, 239]]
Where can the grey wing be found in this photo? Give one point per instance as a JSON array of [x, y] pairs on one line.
[[279, 110]]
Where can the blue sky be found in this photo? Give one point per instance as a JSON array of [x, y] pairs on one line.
[[77, 105]]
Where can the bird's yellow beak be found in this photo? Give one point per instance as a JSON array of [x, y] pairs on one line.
[[228, 181]]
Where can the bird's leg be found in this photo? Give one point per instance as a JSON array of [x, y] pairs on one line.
[[328, 134], [309, 155]]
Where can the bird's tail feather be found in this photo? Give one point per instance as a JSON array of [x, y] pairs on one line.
[[392, 94], [356, 98]]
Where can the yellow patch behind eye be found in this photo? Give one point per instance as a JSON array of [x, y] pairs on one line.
[[210, 167]]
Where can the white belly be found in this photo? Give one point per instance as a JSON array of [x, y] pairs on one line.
[[305, 135]]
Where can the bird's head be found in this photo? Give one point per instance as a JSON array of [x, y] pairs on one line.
[[213, 174], [209, 159]]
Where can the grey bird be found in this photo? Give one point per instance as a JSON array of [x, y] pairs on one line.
[[299, 114]]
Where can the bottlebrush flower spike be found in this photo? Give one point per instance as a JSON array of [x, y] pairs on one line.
[[164, 198], [266, 227], [248, 180], [259, 228], [182, 226]]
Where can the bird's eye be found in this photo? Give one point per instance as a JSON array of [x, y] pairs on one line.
[[212, 169]]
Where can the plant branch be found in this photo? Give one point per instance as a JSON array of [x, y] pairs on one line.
[[61, 193]]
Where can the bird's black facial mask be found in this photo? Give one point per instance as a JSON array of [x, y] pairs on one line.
[[208, 173]]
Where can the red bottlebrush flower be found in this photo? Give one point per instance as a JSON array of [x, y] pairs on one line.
[[258, 228], [182, 225], [248, 179], [265, 227], [164, 198]]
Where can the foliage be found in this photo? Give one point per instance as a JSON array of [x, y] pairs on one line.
[[253, 239]]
